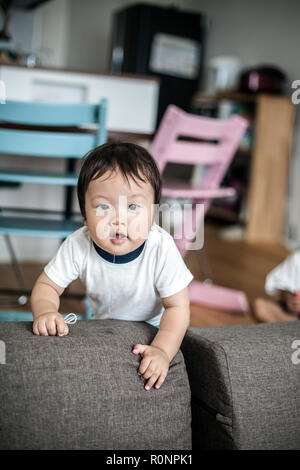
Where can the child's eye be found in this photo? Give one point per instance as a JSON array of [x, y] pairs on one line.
[[104, 207], [133, 207]]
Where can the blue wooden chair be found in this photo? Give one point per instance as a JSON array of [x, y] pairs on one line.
[[44, 130]]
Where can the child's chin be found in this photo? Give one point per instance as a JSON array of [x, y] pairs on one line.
[[119, 243]]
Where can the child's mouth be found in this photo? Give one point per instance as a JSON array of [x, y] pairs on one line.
[[118, 238]]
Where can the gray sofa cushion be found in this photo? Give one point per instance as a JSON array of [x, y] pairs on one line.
[[83, 391], [245, 387]]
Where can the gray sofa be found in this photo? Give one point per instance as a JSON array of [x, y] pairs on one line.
[[228, 388]]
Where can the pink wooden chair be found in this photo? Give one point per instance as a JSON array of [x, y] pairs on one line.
[[189, 139]]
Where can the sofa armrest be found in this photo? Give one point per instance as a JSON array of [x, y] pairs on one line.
[[244, 386]]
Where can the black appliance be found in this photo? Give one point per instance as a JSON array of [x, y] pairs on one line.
[[264, 78], [164, 42]]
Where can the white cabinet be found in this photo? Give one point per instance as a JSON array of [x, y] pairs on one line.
[[132, 100]]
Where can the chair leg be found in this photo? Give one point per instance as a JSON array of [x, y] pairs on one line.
[[88, 309], [22, 300], [205, 266]]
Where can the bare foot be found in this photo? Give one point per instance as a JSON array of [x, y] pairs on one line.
[[271, 312]]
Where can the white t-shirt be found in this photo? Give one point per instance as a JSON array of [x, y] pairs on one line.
[[286, 276], [125, 291]]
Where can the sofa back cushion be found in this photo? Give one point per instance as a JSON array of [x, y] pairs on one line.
[[82, 391], [245, 385]]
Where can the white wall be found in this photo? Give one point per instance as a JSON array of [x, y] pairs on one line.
[[91, 28], [55, 32], [43, 31], [21, 27], [256, 31]]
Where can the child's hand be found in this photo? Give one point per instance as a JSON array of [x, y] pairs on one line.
[[292, 302], [154, 365], [50, 324]]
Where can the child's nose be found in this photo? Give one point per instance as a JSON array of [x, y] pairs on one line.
[[120, 217]]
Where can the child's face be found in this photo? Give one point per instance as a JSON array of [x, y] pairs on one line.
[[115, 207]]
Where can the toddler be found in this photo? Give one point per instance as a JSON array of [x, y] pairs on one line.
[[283, 282], [130, 266]]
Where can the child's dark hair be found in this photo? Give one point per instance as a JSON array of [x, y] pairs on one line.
[[131, 159]]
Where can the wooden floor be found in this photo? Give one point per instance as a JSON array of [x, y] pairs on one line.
[[234, 264], [237, 265]]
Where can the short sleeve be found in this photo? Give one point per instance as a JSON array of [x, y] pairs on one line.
[[286, 276], [63, 268], [172, 275]]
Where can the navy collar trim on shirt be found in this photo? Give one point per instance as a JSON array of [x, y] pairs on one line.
[[119, 259]]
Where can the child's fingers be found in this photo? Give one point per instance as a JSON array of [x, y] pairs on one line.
[[62, 327], [144, 367], [139, 349], [150, 371], [161, 380], [35, 328], [151, 381], [41, 325], [51, 327]]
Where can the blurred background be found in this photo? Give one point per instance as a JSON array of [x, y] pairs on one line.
[[211, 58]]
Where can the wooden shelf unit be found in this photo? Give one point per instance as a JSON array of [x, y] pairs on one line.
[[270, 158]]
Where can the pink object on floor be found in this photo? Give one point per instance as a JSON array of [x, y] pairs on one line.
[[221, 298], [189, 139]]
